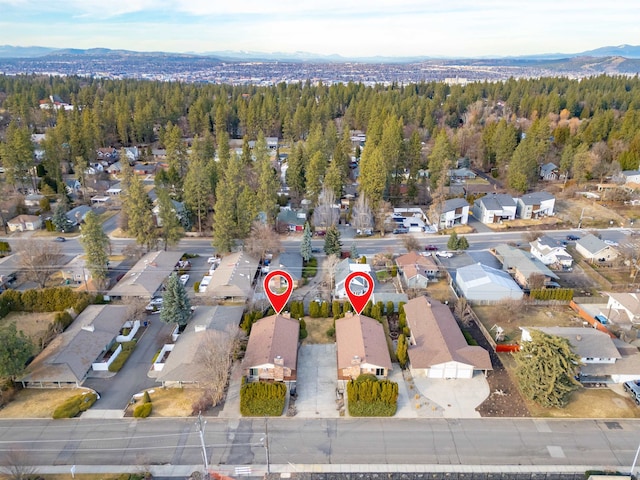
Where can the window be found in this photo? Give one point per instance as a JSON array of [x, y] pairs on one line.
[[253, 372], [379, 372]]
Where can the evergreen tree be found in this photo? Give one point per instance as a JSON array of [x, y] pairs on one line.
[[463, 243], [295, 175], [198, 191], [96, 248], [354, 251], [305, 244], [268, 183], [373, 174], [334, 179], [454, 242], [402, 350], [139, 211], [60, 219], [332, 244], [171, 229], [17, 155], [546, 368], [15, 350], [176, 307]]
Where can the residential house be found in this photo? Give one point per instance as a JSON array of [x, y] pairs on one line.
[[109, 154], [623, 309], [549, 171], [594, 249], [33, 200], [481, 283], [342, 271], [461, 174], [412, 218], [290, 262], [114, 168], [234, 278], [631, 176], [272, 350], [437, 347], [67, 360], [178, 207], [146, 278], [494, 208], [144, 168], [186, 364], [455, 211], [361, 347], [114, 190], [524, 267], [23, 223], [551, 252], [292, 220], [132, 153], [535, 205], [73, 186], [416, 269], [272, 142], [75, 271], [603, 360], [77, 215]]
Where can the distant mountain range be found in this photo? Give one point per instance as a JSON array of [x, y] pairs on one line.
[[9, 51]]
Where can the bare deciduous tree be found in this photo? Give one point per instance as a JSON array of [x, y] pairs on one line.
[[15, 465], [361, 216], [326, 214], [383, 211], [263, 239], [410, 243], [39, 260], [216, 354], [536, 281], [509, 309], [329, 269]]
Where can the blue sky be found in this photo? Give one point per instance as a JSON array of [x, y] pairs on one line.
[[458, 28]]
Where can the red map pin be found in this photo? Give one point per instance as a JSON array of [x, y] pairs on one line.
[[278, 301], [359, 291]]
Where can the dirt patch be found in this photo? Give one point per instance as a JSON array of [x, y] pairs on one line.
[[317, 330], [592, 213], [170, 402], [591, 403], [531, 224], [37, 403], [33, 325], [439, 290]]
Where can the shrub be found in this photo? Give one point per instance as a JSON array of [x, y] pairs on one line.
[[74, 405], [314, 309], [146, 398], [391, 308], [262, 399], [336, 309], [303, 329], [370, 397], [331, 332], [143, 410], [118, 363], [470, 340], [324, 309]]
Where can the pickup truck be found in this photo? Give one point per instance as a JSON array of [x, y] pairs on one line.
[[633, 387]]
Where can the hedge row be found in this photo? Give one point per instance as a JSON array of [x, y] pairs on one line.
[[53, 299], [127, 349], [369, 397], [262, 399], [552, 294], [74, 405]]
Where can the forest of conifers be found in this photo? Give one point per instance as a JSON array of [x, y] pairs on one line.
[[590, 128]]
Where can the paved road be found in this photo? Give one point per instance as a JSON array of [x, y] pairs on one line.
[[370, 442]]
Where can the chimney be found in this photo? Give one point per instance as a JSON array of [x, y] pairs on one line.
[[578, 337], [356, 360], [278, 361]]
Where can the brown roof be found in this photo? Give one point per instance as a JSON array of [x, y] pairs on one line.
[[271, 337], [438, 338], [363, 337], [413, 264]]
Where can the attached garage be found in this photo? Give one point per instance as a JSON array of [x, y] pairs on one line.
[[450, 370]]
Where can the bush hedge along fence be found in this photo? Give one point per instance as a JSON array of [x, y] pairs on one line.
[[369, 397], [262, 399], [74, 405]]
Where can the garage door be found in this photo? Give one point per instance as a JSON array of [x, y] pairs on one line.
[[436, 371], [451, 370]]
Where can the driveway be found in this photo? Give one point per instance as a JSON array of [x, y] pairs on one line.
[[317, 381]]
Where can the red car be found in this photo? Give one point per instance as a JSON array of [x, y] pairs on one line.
[[431, 248]]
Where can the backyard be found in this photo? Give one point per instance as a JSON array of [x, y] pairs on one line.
[[33, 325]]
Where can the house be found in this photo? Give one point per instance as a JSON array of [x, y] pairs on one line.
[[437, 347], [361, 347], [114, 168], [623, 309], [147, 276], [549, 171], [594, 249], [631, 176], [455, 211], [67, 360], [272, 350], [342, 270], [603, 359], [535, 205], [132, 153], [22, 223], [73, 186], [272, 142], [292, 220], [185, 364], [290, 262], [494, 208], [416, 269], [178, 207], [461, 174], [411, 218], [234, 278], [75, 271], [77, 215], [551, 252], [144, 168], [480, 282], [109, 154], [524, 267], [33, 200]]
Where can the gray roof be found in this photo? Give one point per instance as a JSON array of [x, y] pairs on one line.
[[548, 168], [234, 277], [76, 215], [478, 274], [185, 362], [592, 244], [291, 217], [496, 201], [291, 262], [454, 203], [69, 357], [146, 276], [516, 259], [536, 197], [586, 342]]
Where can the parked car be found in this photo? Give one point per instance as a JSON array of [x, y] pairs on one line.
[[633, 387], [431, 248], [184, 279], [400, 230], [59, 239], [611, 243], [211, 260], [572, 238], [155, 305], [444, 254]]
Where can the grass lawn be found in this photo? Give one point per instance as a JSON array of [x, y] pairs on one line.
[[171, 402], [37, 402], [441, 291], [317, 330], [34, 325]]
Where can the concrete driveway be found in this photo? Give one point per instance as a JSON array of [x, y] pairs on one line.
[[317, 381]]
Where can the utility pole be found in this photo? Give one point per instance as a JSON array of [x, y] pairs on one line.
[[635, 459], [265, 444], [200, 424]]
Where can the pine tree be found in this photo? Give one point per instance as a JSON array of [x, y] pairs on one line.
[[305, 245], [402, 350], [171, 230], [332, 244], [463, 243], [373, 174], [198, 191], [139, 211], [60, 219], [354, 251], [96, 248], [268, 183], [176, 307], [546, 368], [454, 242]]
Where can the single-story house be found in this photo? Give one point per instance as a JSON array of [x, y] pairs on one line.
[[178, 207], [623, 308], [75, 271], [361, 347], [631, 176], [291, 262], [146, 278], [22, 223], [144, 168], [114, 169], [416, 269], [293, 220], [522, 266], [551, 252], [33, 200], [185, 364], [437, 347], [455, 211], [603, 359], [494, 208], [342, 271], [77, 215], [234, 278], [594, 249], [461, 174], [549, 171], [480, 282], [272, 350], [67, 360], [535, 205], [72, 186]]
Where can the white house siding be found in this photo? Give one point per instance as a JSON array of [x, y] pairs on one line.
[[450, 370]]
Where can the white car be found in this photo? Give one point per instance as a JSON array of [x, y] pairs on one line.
[[184, 279], [444, 254], [611, 243], [154, 305], [211, 260]]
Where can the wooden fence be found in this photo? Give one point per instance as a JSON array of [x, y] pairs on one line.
[[589, 319]]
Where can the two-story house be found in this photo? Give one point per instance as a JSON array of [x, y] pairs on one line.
[[535, 205], [494, 208], [455, 211], [551, 252]]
